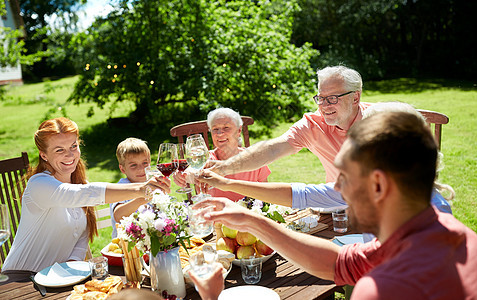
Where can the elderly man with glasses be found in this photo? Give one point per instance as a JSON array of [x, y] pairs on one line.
[[322, 132]]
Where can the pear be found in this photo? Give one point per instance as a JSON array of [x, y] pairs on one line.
[[263, 249], [227, 244], [228, 232], [245, 238], [245, 251]]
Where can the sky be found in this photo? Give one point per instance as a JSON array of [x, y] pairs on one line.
[[93, 9], [88, 13]]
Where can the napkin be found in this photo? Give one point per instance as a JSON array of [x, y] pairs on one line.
[[350, 239], [58, 273]]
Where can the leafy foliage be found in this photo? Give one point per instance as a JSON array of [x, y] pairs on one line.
[[13, 50], [388, 38], [179, 59], [49, 43]]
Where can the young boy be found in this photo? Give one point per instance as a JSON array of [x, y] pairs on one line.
[[133, 156]]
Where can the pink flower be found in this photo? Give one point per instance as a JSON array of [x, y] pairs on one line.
[[135, 231]]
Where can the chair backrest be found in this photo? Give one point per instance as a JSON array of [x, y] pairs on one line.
[[103, 218], [436, 120], [12, 172], [201, 127]]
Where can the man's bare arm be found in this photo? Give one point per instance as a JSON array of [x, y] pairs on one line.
[[254, 157], [272, 192]]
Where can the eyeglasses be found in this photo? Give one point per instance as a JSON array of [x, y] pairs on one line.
[[331, 99]]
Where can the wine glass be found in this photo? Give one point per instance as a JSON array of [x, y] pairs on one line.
[[4, 231], [183, 164], [167, 161], [196, 155]]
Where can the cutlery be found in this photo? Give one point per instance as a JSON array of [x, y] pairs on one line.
[[39, 287]]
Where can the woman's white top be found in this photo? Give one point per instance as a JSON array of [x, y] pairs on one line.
[[52, 225]]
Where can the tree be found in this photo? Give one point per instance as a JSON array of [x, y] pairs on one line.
[[389, 38], [178, 59], [42, 38]]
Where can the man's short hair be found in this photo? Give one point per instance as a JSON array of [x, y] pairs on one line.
[[351, 78], [131, 146], [400, 144]]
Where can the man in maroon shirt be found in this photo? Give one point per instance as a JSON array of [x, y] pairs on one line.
[[386, 173]]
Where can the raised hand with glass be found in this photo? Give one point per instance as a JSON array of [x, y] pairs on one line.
[[196, 155]]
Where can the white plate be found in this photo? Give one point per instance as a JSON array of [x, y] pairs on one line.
[[263, 258], [79, 271], [249, 292], [327, 210]]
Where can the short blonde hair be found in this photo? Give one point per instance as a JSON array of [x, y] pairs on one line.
[[131, 146]]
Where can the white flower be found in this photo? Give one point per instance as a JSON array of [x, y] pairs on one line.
[[242, 202], [257, 209]]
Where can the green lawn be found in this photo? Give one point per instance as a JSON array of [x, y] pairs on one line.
[[26, 106]]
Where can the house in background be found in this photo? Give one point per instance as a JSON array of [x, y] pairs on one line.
[[13, 20]]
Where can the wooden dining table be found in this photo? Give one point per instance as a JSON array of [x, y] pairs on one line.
[[286, 279]]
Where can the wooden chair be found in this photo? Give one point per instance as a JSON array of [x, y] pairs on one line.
[[436, 120], [13, 183], [201, 127]]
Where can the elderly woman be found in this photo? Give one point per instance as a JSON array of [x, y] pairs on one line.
[[58, 215], [225, 126]]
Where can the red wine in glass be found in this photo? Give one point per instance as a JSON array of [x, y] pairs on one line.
[[167, 168], [182, 165]]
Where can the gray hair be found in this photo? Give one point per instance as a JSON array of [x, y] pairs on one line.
[[351, 78], [224, 112]]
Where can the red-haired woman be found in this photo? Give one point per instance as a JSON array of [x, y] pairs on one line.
[[58, 203]]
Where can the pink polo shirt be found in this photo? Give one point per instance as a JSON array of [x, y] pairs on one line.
[[258, 175], [432, 256], [321, 139]]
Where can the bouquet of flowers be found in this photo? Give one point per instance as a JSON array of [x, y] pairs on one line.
[[160, 225], [272, 211]]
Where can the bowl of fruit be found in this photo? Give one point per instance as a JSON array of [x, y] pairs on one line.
[[243, 244], [113, 252]]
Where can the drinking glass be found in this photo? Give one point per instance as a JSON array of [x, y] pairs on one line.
[[203, 263], [196, 155], [150, 172], [99, 267], [198, 226], [251, 269], [340, 221], [183, 164], [167, 161], [4, 231]]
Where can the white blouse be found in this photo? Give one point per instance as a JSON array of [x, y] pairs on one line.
[[52, 225]]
